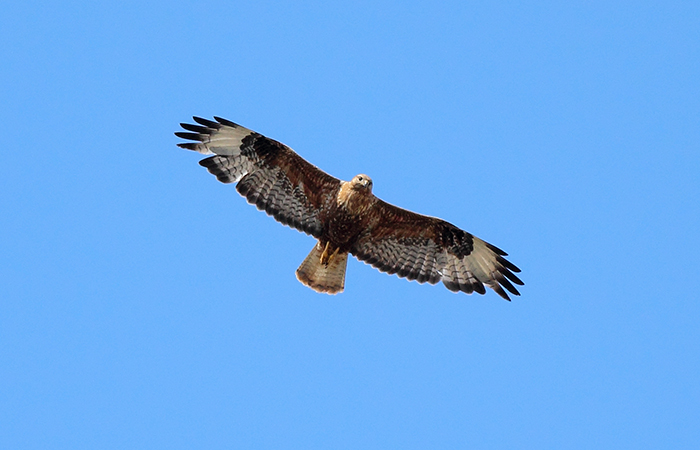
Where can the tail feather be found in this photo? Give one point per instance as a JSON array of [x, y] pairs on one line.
[[328, 277]]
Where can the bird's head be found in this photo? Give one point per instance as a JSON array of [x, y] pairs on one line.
[[362, 181]]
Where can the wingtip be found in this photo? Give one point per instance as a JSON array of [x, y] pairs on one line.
[[206, 122], [504, 295], [226, 122]]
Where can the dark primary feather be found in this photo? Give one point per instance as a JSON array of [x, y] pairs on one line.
[[196, 128]]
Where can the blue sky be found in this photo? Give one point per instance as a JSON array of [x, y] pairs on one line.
[[146, 305]]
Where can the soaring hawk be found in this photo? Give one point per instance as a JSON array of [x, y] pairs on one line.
[[346, 217]]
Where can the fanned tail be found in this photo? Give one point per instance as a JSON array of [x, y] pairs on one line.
[[323, 271]]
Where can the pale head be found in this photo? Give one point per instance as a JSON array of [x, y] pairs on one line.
[[362, 181]]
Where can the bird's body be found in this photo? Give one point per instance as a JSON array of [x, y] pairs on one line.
[[346, 217]]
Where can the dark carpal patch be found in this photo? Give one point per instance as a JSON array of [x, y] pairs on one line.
[[457, 241]]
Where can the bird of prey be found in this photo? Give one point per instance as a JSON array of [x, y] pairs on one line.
[[345, 217]]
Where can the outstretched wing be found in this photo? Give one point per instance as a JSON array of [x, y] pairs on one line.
[[269, 174], [425, 248]]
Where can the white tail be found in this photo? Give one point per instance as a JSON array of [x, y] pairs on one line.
[[327, 276]]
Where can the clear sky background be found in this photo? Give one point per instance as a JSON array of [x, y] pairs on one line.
[[145, 305]]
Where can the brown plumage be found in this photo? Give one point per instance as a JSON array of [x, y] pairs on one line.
[[346, 217]]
